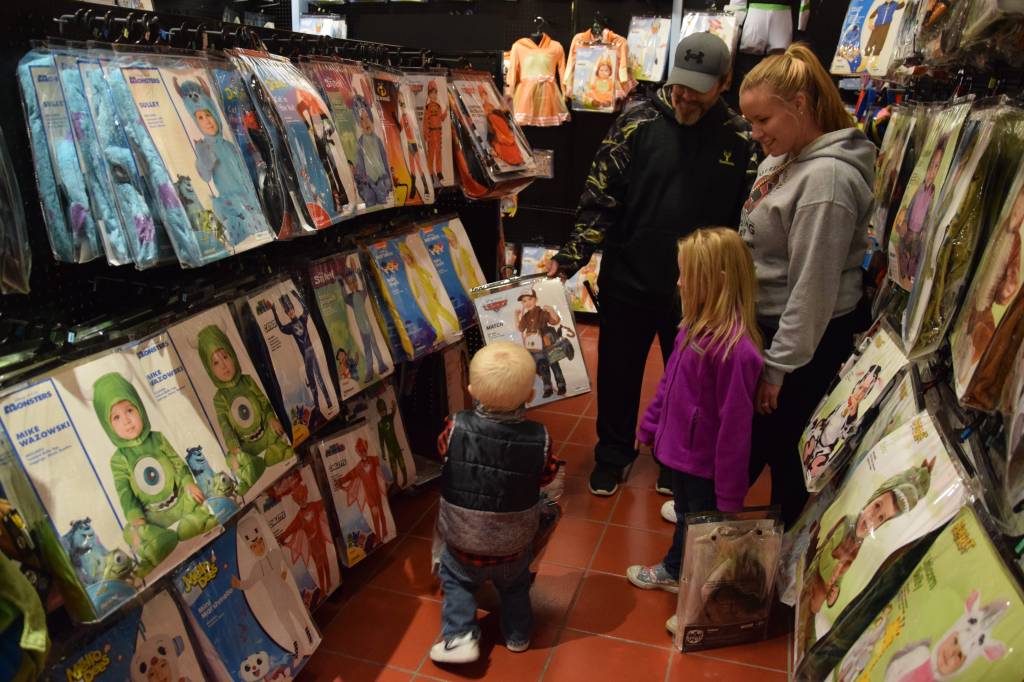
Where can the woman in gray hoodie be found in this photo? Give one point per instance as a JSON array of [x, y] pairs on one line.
[[806, 223]]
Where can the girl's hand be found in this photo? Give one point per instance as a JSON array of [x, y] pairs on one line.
[[766, 400]]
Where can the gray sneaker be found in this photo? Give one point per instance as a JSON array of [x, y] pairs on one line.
[[464, 648], [652, 578]]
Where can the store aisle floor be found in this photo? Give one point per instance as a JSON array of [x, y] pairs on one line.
[[590, 623]]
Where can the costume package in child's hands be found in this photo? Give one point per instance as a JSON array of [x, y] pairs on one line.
[[456, 264], [353, 473], [906, 487], [295, 512], [244, 607], [536, 259], [727, 579], [145, 644], [648, 47], [868, 37], [832, 432], [378, 405], [234, 402], [430, 90], [305, 395], [534, 311], [959, 615]]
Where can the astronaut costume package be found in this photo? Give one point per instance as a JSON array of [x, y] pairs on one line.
[[534, 311], [869, 36], [456, 264], [244, 608], [378, 405], [145, 644], [727, 582]]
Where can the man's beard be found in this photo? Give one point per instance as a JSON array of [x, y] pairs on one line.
[[690, 116]]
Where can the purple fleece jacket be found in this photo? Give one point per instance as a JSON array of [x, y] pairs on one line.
[[700, 420]]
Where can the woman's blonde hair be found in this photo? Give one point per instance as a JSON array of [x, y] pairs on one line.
[[718, 288], [798, 70]]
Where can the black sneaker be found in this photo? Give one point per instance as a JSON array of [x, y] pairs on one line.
[[604, 482], [664, 484]]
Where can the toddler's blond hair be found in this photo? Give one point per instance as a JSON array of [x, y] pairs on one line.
[[501, 376]]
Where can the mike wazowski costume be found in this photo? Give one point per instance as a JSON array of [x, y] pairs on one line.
[[244, 414], [151, 480]]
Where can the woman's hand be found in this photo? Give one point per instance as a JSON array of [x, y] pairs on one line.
[[767, 399]]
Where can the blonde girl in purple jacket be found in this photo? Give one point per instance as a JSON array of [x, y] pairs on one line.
[[700, 420]]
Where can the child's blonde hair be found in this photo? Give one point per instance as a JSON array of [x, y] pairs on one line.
[[798, 70], [501, 376], [717, 287]]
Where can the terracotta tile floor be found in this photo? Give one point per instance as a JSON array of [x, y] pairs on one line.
[[590, 623]]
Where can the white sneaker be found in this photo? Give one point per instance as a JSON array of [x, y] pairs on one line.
[[462, 649], [672, 624], [517, 647], [668, 511]]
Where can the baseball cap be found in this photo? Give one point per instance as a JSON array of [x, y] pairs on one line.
[[701, 60]]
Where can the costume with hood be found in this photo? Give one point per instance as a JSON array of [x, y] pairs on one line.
[[244, 414], [537, 98], [151, 480]]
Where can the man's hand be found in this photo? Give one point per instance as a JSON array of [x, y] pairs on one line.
[[766, 400], [555, 270]]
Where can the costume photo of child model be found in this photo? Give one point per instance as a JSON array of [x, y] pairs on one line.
[[431, 93], [502, 146], [234, 402], [456, 264], [402, 137], [648, 47], [534, 312], [244, 607], [536, 259], [959, 615], [353, 473], [295, 512], [146, 644], [906, 487], [378, 405]]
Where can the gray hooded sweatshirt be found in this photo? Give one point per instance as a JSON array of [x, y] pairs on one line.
[[807, 228]]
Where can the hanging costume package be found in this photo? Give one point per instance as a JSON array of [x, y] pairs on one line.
[[353, 473], [648, 47], [868, 37], [721, 24], [408, 159], [534, 311], [357, 118], [898, 134], [593, 86], [942, 26], [908, 238], [67, 214], [456, 264], [986, 17], [244, 608], [358, 346], [620, 76], [532, 80], [536, 260], [727, 582], [322, 187], [304, 394], [959, 615], [379, 407], [145, 644], [430, 90], [905, 488], [831, 434], [15, 252], [295, 512], [233, 401]]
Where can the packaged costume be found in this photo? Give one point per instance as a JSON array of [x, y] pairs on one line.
[[430, 90], [648, 47], [293, 353], [831, 435], [593, 86], [353, 473], [406, 153], [721, 24], [295, 512], [768, 26], [452, 254], [234, 402], [622, 82], [868, 37], [906, 487], [244, 607], [534, 311], [535, 259], [378, 406], [15, 252], [728, 579], [959, 615], [898, 134], [343, 298], [533, 81]]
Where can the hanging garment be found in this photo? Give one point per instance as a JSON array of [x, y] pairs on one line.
[[769, 25], [537, 98], [624, 82]]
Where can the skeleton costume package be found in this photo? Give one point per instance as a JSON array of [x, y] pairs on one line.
[[453, 257], [378, 405], [430, 89], [534, 311], [535, 259], [145, 644], [244, 607], [868, 37], [959, 615], [402, 137], [727, 580]]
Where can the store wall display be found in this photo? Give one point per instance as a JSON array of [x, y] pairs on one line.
[[534, 311], [431, 92], [724, 25], [295, 512], [304, 395], [353, 473], [622, 80], [378, 405], [534, 80], [535, 259], [869, 35], [244, 607], [648, 47], [456, 264], [358, 347], [406, 151]]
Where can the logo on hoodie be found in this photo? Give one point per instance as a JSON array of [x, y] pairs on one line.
[[726, 159]]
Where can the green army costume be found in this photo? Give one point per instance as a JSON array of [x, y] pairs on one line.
[[244, 414], [389, 441], [151, 480]]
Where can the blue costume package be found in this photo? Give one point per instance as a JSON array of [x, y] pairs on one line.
[[453, 257], [244, 607], [15, 252], [61, 183]]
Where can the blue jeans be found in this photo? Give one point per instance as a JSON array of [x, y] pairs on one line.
[[690, 494], [460, 581]]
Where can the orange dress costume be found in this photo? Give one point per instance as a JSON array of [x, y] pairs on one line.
[[534, 72], [624, 81]]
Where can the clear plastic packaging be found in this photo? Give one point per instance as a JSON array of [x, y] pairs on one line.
[[406, 153]]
